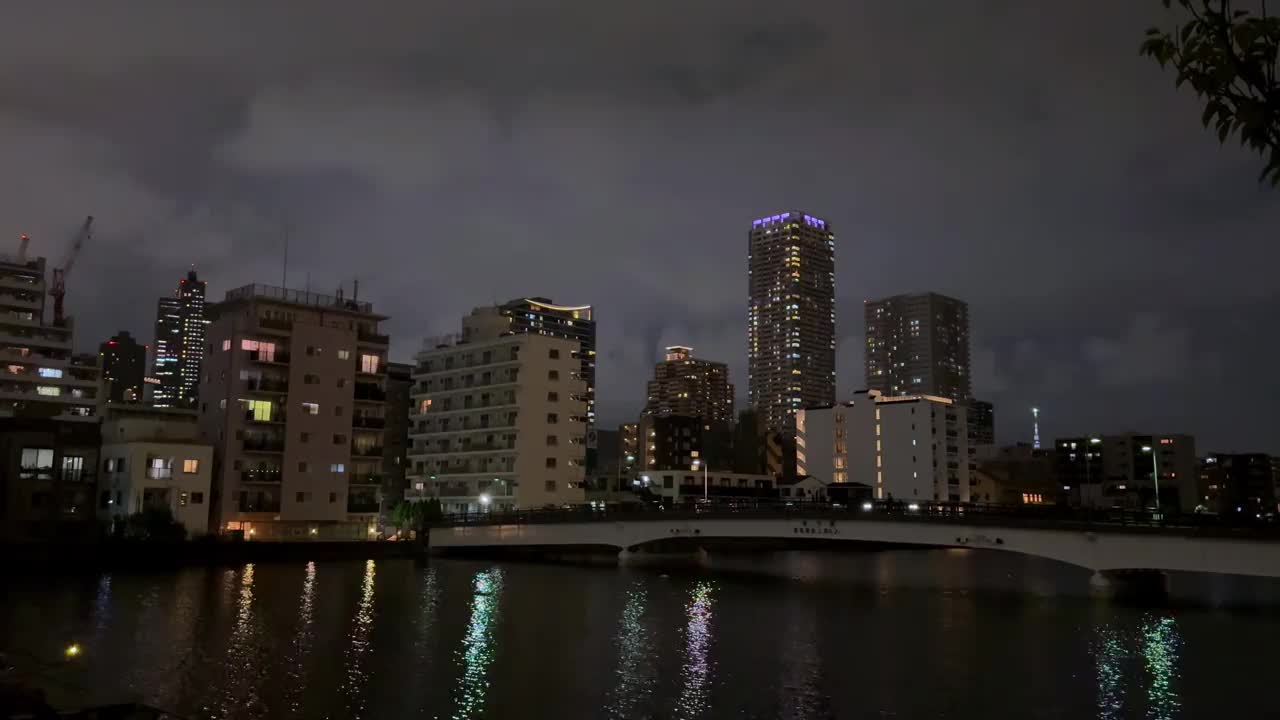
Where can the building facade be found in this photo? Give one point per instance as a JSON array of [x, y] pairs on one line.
[[686, 485], [1237, 484], [42, 376], [498, 422], [982, 423], [395, 441], [154, 457], [918, 344], [911, 447], [293, 397], [180, 346], [47, 480], [123, 362], [681, 442], [791, 319], [1123, 471], [688, 386]]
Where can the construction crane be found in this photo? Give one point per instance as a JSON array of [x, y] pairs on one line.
[[59, 289]]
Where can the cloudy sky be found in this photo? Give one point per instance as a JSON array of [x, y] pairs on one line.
[[1119, 264]]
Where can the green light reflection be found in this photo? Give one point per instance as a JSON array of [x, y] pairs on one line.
[[477, 650], [635, 650], [1161, 645]]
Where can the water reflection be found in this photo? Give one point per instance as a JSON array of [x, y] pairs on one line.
[[478, 645], [697, 667], [356, 676], [1160, 648], [238, 692], [1110, 661], [302, 639], [635, 652]]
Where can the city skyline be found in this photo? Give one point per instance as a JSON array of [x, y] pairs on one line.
[[1103, 259]]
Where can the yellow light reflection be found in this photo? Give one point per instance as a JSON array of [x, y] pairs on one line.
[[361, 626], [301, 646]]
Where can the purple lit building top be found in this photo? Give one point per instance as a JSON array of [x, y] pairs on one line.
[[808, 220]]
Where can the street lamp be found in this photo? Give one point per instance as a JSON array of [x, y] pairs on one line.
[[484, 501], [696, 463], [1155, 472]]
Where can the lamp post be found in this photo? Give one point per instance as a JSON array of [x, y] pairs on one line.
[[696, 464], [1155, 471]]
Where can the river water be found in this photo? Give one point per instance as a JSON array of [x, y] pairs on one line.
[[909, 634]]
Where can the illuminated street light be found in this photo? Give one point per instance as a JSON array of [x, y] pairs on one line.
[[1155, 472]]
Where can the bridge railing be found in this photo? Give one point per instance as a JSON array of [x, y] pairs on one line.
[[1042, 516]]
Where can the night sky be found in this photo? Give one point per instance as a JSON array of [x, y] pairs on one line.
[[1120, 265]]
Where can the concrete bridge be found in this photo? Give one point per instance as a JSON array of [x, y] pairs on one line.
[[1105, 545]]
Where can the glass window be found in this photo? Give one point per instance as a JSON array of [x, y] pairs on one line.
[[344, 354], [51, 372], [190, 466], [311, 408], [49, 390], [551, 462], [197, 498], [37, 458], [369, 363]]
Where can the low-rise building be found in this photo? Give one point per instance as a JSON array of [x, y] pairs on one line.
[[1125, 470], [1018, 475], [47, 479], [1237, 484], [802, 489], [154, 457], [498, 422], [906, 447], [691, 485], [681, 441]]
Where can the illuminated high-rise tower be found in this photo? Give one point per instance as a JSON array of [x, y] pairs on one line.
[[179, 353], [791, 318]]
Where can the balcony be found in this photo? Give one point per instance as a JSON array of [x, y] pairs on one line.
[[365, 479], [274, 418], [159, 473], [272, 358], [368, 392], [263, 445], [368, 422], [269, 324], [372, 338], [363, 506], [268, 475], [367, 451], [267, 385]]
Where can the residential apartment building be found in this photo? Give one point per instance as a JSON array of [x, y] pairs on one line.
[[124, 366], [918, 344], [681, 442], [910, 447], [791, 318], [689, 386], [292, 396], [982, 423], [42, 377], [395, 438], [154, 457], [1123, 470], [47, 481], [498, 422], [1237, 484], [180, 345]]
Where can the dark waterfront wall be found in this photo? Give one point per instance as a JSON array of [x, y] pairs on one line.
[[55, 558]]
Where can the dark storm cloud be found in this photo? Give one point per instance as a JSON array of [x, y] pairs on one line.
[[1020, 156]]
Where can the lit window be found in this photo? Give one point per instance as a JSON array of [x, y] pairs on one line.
[[50, 372], [344, 354], [261, 409], [369, 364], [226, 345], [311, 408], [50, 390], [337, 468], [190, 466]]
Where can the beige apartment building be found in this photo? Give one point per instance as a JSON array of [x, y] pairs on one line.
[[498, 422], [154, 457], [292, 397]]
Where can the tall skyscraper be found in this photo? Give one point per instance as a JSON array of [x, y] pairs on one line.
[[179, 348], [791, 318], [539, 316], [685, 385], [918, 344], [124, 365]]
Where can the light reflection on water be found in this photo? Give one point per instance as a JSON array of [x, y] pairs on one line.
[[356, 676], [240, 693], [1111, 657], [697, 665], [302, 639], [478, 646], [1161, 644], [635, 667]]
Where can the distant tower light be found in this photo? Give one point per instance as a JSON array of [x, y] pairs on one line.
[[1035, 428]]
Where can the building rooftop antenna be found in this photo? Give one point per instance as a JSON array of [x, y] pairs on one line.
[[1035, 428]]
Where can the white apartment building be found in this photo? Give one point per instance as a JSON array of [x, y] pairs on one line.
[[154, 457], [909, 447], [498, 422]]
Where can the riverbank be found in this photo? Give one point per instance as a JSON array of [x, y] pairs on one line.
[[139, 555]]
